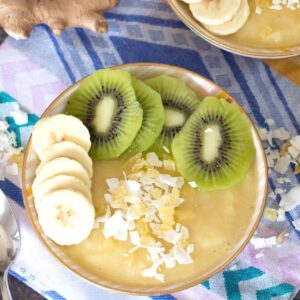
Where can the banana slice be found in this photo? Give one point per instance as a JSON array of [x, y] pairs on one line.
[[67, 217], [58, 183], [61, 166], [58, 128], [215, 12], [233, 25], [69, 150]]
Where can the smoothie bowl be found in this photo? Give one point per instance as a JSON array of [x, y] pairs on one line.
[[144, 178]]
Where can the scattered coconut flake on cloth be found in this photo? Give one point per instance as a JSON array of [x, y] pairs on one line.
[[283, 152], [10, 154], [141, 208]]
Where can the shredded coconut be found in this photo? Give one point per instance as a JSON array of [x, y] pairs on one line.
[[277, 5], [9, 151], [144, 204]]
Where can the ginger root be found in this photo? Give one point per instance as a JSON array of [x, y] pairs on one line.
[[19, 16]]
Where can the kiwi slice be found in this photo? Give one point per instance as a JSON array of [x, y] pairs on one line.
[[215, 147], [179, 103], [106, 103], [153, 116]]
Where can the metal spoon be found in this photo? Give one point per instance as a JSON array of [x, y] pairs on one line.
[[9, 243]]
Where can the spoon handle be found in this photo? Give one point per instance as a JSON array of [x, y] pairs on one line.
[[4, 287]]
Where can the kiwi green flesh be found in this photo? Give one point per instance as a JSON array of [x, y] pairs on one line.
[[153, 116], [215, 147], [179, 103], [106, 103]]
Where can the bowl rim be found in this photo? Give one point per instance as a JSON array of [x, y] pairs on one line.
[[276, 54], [192, 282]]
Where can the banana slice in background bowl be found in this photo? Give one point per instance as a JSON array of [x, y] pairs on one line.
[[245, 27], [234, 24]]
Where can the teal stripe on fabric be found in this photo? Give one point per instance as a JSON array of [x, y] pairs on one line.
[[275, 291], [232, 279], [32, 119], [206, 284], [5, 98]]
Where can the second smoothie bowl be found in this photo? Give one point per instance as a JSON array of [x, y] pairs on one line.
[[144, 178]]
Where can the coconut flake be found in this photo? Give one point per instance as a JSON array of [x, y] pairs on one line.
[[295, 142], [259, 255], [105, 217], [181, 255], [291, 199], [153, 159], [280, 180], [280, 215], [133, 187], [152, 272], [293, 151], [270, 122], [281, 134], [146, 180], [116, 227], [259, 242], [169, 261], [170, 181], [112, 183], [282, 164], [135, 238]]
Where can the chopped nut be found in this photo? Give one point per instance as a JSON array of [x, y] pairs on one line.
[[183, 243], [284, 149], [147, 240], [139, 164], [156, 193], [152, 173], [136, 176], [169, 165], [142, 227], [281, 237]]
